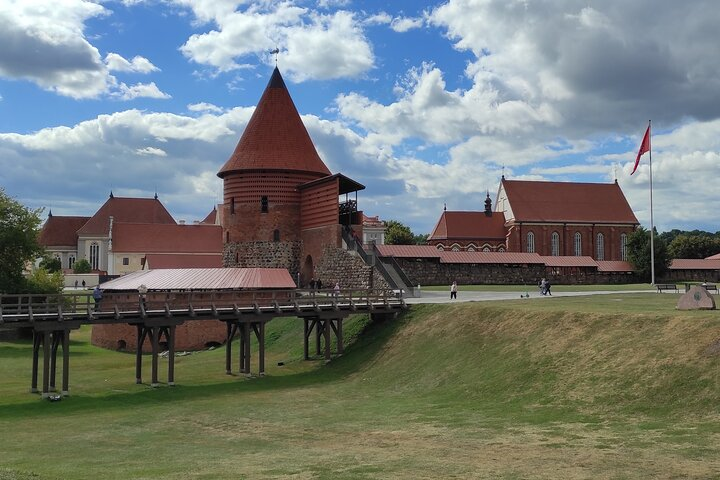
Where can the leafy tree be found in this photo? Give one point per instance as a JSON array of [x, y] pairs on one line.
[[694, 246], [638, 248], [43, 281], [421, 239], [397, 233], [51, 264], [19, 229], [82, 266]]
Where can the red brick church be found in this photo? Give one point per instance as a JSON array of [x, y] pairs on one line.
[[281, 204], [548, 218]]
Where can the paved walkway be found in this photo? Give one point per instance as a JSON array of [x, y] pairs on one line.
[[428, 296]]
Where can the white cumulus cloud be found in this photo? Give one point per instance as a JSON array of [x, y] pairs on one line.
[[138, 64]]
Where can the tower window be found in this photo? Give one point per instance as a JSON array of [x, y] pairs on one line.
[[276, 236], [264, 204], [232, 205]]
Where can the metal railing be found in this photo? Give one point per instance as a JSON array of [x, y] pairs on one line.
[[398, 269], [355, 245]]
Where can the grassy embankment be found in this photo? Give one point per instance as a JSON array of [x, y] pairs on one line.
[[617, 386]]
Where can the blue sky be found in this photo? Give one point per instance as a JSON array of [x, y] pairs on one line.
[[426, 103]]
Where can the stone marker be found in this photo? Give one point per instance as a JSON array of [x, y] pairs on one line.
[[697, 298]]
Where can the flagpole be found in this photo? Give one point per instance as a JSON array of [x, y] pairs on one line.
[[652, 225]]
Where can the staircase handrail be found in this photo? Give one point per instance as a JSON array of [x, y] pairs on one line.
[[391, 259], [354, 245]]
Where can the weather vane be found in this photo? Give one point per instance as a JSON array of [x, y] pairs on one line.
[[275, 52]]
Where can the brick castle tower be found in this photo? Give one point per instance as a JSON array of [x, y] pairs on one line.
[[281, 204]]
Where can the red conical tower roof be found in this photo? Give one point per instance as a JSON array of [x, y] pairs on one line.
[[275, 138]]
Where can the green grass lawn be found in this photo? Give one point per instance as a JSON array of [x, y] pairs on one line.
[[613, 386]]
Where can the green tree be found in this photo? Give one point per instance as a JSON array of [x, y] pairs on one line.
[[42, 281], [19, 229], [51, 264], [82, 266], [397, 233], [421, 239], [638, 248], [693, 246]]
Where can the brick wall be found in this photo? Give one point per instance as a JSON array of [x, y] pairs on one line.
[[432, 272], [249, 223], [338, 265], [263, 255], [517, 240]]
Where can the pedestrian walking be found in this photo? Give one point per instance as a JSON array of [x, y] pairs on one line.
[[453, 291], [97, 296]]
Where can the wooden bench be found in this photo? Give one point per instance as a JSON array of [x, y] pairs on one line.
[[666, 286], [710, 286]]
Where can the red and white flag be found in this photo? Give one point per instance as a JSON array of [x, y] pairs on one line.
[[644, 147]]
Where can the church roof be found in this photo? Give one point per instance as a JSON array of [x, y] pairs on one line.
[[166, 238], [469, 226], [275, 137], [532, 201], [137, 210], [211, 218], [61, 231]]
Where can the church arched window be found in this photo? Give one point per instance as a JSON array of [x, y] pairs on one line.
[[530, 247], [555, 244], [600, 246], [95, 256], [623, 247], [578, 244]]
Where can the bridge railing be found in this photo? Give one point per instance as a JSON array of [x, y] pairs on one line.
[[16, 308]]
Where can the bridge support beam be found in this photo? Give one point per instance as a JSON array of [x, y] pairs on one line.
[[324, 328], [50, 341], [155, 333], [244, 329]]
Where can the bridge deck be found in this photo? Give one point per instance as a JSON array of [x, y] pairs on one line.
[[156, 314]]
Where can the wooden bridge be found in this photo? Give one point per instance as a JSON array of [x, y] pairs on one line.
[[157, 314]]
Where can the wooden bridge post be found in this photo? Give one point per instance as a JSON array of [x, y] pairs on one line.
[[141, 332], [36, 353], [154, 335], [66, 363], [170, 335], [228, 348], [46, 363], [326, 332], [306, 334], [261, 349], [53, 357], [241, 352], [318, 334], [246, 355]]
